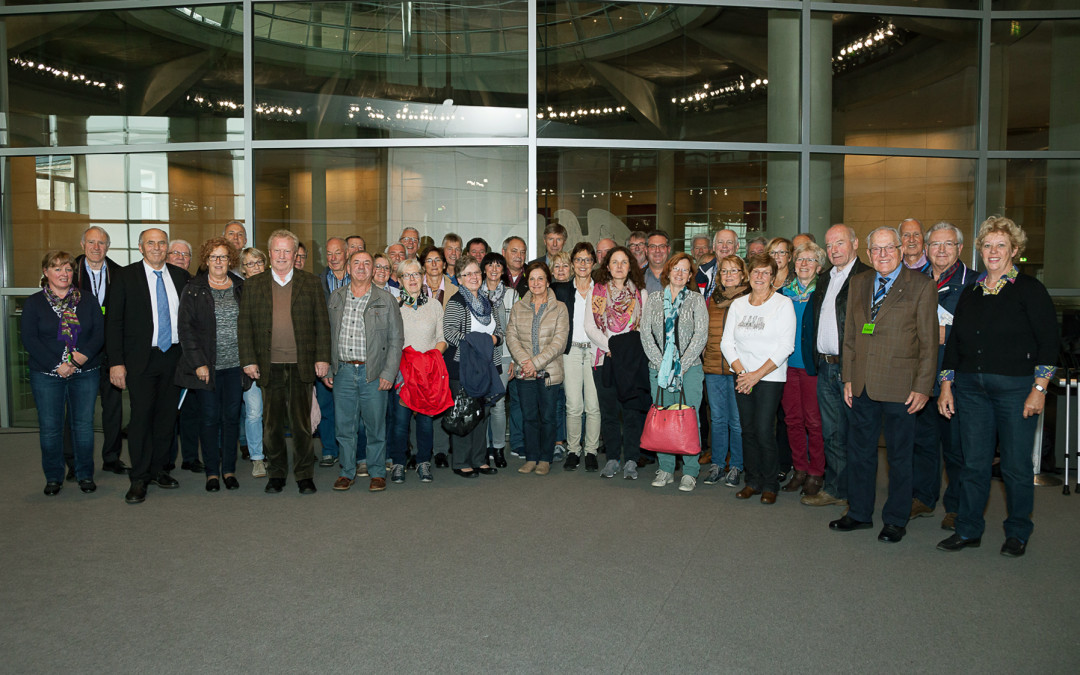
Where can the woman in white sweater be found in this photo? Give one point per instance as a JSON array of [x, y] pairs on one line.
[[758, 338]]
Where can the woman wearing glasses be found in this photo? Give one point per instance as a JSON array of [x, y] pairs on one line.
[[779, 249], [800, 403], [720, 379], [252, 262], [758, 338], [210, 364], [380, 275]]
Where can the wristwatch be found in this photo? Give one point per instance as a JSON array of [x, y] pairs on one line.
[[1039, 388]]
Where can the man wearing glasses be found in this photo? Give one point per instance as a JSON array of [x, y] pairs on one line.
[[657, 247], [890, 352], [179, 254], [725, 243], [637, 243], [410, 239], [937, 435], [299, 262]]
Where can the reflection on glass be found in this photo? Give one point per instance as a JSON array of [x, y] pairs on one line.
[[868, 191], [54, 198], [391, 69], [1040, 196], [651, 71], [1033, 80], [898, 81], [597, 194], [124, 77], [376, 193]]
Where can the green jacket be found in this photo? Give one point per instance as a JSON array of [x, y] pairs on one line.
[[311, 324]]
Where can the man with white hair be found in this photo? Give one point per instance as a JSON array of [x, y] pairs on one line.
[[725, 243], [410, 239]]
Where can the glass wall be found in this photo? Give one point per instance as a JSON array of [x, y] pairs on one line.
[[484, 119]]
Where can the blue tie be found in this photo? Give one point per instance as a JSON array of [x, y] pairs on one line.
[[879, 297], [164, 320]]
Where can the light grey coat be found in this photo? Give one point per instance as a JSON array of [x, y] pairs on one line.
[[691, 329]]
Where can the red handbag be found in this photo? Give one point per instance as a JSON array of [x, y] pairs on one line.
[[673, 430]]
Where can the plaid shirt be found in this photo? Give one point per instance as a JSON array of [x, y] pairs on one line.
[[352, 342]]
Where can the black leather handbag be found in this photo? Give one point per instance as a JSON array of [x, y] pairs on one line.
[[466, 413]]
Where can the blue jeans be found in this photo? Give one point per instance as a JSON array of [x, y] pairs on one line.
[[834, 426], [726, 428], [693, 381], [75, 395], [936, 436], [398, 431], [220, 421], [496, 424], [514, 415], [558, 395], [253, 412], [327, 425], [987, 405], [356, 399], [538, 419]]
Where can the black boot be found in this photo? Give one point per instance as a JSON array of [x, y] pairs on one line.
[[500, 458]]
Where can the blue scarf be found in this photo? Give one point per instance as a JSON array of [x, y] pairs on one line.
[[479, 305], [670, 375]]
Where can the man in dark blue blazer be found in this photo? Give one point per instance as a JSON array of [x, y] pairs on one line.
[[141, 344]]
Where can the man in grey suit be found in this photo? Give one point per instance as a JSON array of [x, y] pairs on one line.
[[366, 338], [889, 358]]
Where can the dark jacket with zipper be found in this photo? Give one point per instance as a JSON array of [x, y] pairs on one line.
[[197, 328]]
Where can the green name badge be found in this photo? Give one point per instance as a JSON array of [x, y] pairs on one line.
[[868, 329]]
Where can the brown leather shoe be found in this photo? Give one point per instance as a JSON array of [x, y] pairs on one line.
[[705, 458], [822, 498], [813, 485], [920, 510], [748, 492], [768, 497], [377, 485], [343, 483], [798, 479], [949, 521]]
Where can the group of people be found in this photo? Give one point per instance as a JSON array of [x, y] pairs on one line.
[[796, 371]]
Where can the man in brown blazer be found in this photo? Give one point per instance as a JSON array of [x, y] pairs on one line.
[[284, 336], [889, 356]]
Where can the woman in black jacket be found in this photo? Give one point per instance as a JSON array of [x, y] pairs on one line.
[[210, 364]]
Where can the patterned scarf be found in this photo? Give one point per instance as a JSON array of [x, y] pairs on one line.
[[479, 306], [795, 290], [614, 310], [495, 296], [409, 301], [1008, 277], [65, 307], [670, 375]]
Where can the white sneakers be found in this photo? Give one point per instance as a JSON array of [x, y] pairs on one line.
[[258, 468], [688, 483], [663, 478]]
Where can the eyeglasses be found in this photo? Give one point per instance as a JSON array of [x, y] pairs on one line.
[[583, 261], [474, 273], [807, 261], [382, 268], [217, 258], [411, 275], [657, 247], [777, 254], [941, 244], [432, 260], [679, 270], [728, 273], [410, 239], [182, 254], [253, 264], [761, 272], [301, 256], [878, 250]]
